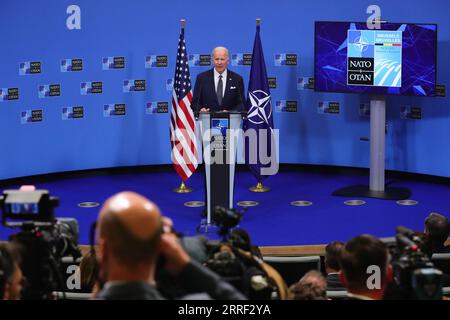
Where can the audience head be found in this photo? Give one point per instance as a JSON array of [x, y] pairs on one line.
[[312, 286], [88, 271], [333, 252], [220, 59], [129, 230], [437, 228], [359, 258], [11, 278]]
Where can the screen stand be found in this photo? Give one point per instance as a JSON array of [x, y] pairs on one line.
[[376, 188]]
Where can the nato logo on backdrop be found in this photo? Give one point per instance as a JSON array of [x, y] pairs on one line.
[[29, 116], [114, 109], [169, 84], [133, 85], [364, 110], [9, 94], [29, 67], [286, 106], [156, 107], [111, 63], [285, 59], [49, 90], [241, 59], [71, 65], [440, 90], [272, 82], [69, 113], [199, 60], [156, 61], [413, 113], [305, 83], [331, 107], [90, 87]]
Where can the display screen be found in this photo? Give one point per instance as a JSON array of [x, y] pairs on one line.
[[399, 58], [23, 208]]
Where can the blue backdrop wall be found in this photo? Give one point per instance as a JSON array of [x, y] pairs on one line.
[[36, 31]]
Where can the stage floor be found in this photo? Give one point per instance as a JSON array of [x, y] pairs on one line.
[[274, 222]]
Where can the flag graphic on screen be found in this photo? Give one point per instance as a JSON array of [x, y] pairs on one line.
[[182, 124], [259, 110]]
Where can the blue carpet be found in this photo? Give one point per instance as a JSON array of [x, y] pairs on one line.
[[274, 222]]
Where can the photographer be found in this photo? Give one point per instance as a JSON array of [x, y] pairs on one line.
[[11, 277], [131, 236]]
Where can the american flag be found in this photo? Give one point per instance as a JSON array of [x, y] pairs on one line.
[[182, 124]]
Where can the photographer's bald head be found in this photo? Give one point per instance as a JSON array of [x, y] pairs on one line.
[[129, 231]]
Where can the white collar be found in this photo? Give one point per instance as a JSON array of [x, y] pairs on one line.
[[224, 74]]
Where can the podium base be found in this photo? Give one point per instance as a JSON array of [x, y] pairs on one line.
[[259, 188], [207, 228], [362, 191]]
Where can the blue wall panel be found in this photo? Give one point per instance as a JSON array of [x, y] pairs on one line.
[[36, 31]]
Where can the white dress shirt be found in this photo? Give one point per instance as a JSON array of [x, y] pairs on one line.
[[224, 80]]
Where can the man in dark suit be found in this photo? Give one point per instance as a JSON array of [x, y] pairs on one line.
[[218, 89], [437, 229], [333, 253], [366, 270], [132, 234]]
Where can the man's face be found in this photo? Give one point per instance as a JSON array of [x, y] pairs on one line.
[[220, 59], [14, 287]]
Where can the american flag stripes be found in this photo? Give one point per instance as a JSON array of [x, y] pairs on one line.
[[182, 123]]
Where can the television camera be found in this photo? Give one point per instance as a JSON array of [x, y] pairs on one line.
[[414, 274], [43, 240]]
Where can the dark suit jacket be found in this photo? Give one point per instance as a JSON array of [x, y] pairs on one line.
[[334, 283], [194, 278], [205, 92], [130, 291], [443, 249]]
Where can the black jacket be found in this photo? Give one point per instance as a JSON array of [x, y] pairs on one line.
[[194, 278], [205, 93]]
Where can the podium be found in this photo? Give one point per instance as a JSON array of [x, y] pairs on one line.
[[219, 132]]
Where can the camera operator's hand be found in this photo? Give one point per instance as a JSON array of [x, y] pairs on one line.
[[176, 258]]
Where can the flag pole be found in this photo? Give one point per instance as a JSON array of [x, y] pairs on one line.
[[183, 188], [259, 186]]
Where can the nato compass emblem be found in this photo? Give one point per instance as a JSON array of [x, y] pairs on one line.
[[361, 44], [261, 109]]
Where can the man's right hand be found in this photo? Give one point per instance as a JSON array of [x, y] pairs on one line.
[[204, 109], [175, 256]]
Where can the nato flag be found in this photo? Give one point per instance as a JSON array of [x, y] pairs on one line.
[[259, 137]]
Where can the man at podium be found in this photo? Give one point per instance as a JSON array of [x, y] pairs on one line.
[[218, 89]]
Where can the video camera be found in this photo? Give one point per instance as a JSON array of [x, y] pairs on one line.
[[234, 257], [414, 273], [226, 219], [44, 240]]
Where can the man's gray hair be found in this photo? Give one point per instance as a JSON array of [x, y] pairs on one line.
[[220, 48]]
